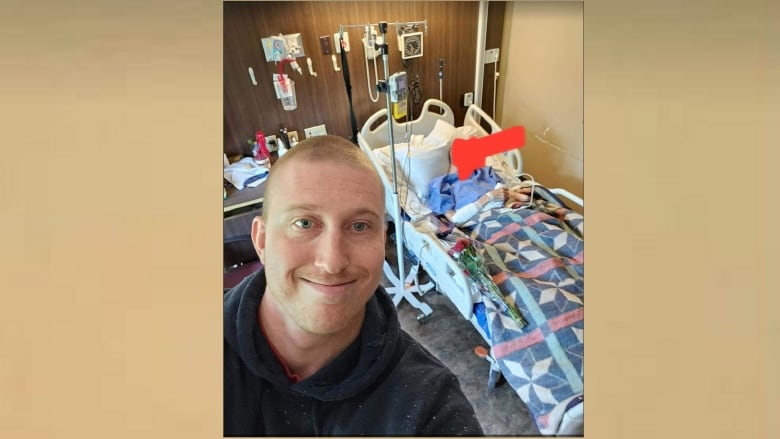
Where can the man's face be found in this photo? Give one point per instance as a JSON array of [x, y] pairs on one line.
[[322, 244]]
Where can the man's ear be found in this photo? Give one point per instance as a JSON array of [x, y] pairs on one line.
[[258, 237]]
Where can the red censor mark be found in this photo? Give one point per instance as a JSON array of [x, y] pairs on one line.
[[470, 154]]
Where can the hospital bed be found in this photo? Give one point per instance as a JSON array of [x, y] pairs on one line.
[[534, 256]]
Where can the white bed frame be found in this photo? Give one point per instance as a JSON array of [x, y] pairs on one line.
[[430, 251]]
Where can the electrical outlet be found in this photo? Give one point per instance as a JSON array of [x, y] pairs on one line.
[[468, 99], [325, 44], [319, 130], [346, 42], [491, 56]]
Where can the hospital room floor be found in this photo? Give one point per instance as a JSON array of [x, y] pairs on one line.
[[452, 339]]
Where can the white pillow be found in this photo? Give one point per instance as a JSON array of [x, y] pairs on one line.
[[419, 165], [441, 135], [383, 155], [464, 132], [410, 202], [423, 165], [416, 141]]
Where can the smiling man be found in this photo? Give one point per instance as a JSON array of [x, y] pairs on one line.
[[313, 345]]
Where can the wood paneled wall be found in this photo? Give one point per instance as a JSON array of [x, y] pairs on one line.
[[451, 35]]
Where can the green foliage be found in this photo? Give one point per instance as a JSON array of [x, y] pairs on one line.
[[466, 254]]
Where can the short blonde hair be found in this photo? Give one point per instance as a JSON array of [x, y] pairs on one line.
[[323, 150]]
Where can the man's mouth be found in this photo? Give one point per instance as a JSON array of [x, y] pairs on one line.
[[330, 287]]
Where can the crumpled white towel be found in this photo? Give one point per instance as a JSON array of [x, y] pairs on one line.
[[245, 173]]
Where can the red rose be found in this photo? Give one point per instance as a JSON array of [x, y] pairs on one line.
[[460, 245]]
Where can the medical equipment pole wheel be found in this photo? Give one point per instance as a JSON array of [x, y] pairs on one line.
[[401, 291]]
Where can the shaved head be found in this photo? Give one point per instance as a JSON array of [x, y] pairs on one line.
[[322, 150], [321, 239]]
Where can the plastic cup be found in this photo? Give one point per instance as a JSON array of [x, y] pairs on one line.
[[289, 103]]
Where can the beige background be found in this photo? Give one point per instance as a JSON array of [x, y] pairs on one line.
[[110, 318]]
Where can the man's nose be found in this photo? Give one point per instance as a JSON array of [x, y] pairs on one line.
[[331, 255]]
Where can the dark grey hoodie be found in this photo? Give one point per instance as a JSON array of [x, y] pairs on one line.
[[383, 384]]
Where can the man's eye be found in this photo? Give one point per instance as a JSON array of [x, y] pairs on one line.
[[304, 223], [360, 227]]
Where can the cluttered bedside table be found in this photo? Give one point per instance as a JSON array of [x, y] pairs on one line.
[[247, 197], [239, 208]]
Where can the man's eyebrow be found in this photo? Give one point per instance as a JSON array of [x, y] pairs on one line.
[[370, 213], [306, 207]]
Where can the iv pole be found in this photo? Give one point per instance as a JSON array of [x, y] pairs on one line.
[[399, 291]]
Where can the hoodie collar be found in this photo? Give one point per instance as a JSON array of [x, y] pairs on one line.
[[351, 372]]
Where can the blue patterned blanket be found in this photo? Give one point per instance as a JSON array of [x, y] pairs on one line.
[[536, 259]]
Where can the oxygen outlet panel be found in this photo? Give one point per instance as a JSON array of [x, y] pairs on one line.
[[491, 56], [468, 99], [337, 42]]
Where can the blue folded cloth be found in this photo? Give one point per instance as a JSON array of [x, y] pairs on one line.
[[449, 193]]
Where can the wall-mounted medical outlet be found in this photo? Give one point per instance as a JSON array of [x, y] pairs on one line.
[[336, 41], [325, 44], [491, 56], [468, 99], [278, 47], [319, 130], [274, 48], [294, 45]]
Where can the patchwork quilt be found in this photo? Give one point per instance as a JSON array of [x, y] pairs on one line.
[[535, 256]]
